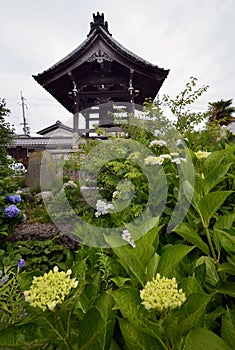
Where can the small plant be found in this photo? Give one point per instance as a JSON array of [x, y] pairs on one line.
[[11, 302]]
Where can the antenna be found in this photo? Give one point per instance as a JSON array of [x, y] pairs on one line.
[[23, 105]]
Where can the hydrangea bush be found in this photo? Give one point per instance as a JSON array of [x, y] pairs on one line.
[[156, 289], [10, 213]]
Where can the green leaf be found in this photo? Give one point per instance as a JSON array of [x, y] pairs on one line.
[[227, 288], [202, 339], [104, 304], [186, 231], [3, 233], [90, 331], [215, 176], [171, 257], [147, 232], [135, 339], [120, 281], [212, 317], [190, 285], [226, 240], [135, 260], [193, 312], [87, 298], [228, 328], [25, 279], [210, 203], [228, 268], [211, 277], [212, 162], [225, 221], [128, 301], [152, 266], [97, 326], [23, 337], [114, 345], [200, 273]]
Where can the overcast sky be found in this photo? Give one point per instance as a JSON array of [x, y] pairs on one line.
[[189, 37]]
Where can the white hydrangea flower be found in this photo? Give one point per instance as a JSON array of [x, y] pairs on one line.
[[70, 184], [157, 133], [165, 156], [179, 160], [102, 208], [126, 236], [151, 160], [158, 143], [179, 143]]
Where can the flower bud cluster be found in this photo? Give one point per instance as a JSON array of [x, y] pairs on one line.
[[162, 294], [50, 289]]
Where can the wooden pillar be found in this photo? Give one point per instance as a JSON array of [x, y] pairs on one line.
[[76, 114]]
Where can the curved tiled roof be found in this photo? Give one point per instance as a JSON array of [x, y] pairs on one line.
[[76, 72], [100, 30], [53, 127], [41, 141]]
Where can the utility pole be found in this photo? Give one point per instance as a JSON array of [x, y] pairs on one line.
[[23, 105]]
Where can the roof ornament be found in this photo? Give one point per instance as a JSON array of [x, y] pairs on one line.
[[99, 56], [98, 21]]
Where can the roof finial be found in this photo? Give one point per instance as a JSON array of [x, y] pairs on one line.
[[98, 21]]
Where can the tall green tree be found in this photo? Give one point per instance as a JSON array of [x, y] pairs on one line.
[[221, 112], [5, 132]]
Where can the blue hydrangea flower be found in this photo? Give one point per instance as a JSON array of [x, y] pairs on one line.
[[12, 211], [21, 263], [10, 199], [17, 198], [24, 217]]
